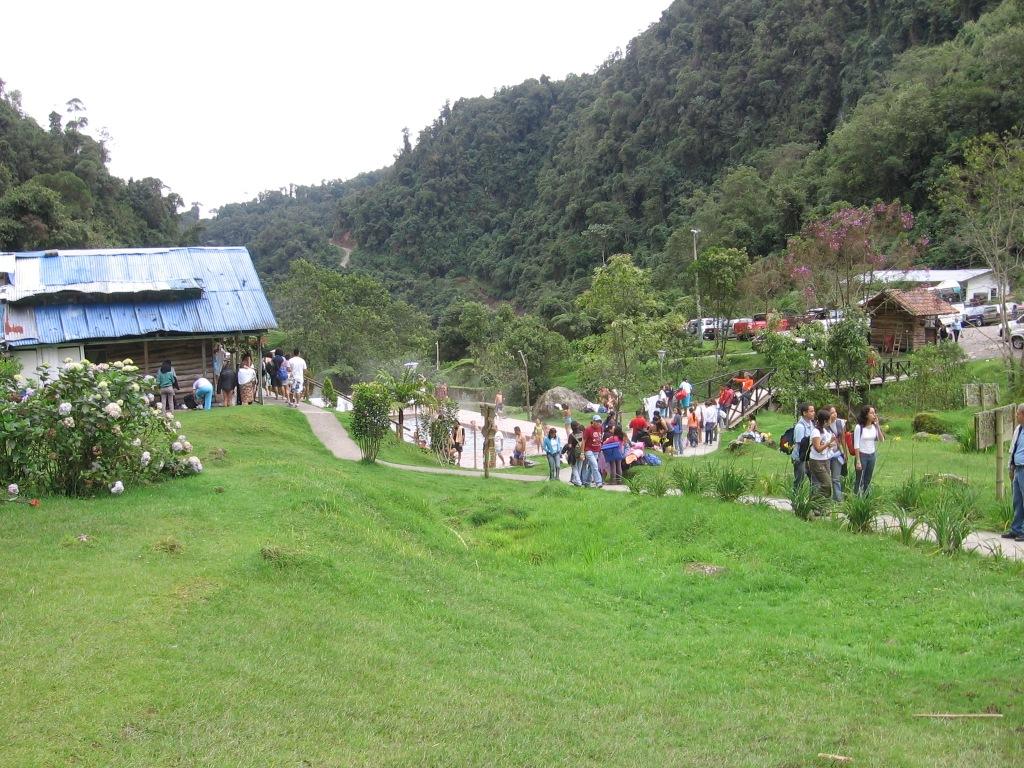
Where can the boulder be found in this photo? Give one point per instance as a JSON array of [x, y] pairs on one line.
[[550, 403]]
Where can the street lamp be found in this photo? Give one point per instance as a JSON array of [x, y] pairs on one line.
[[661, 362], [526, 371], [696, 282]]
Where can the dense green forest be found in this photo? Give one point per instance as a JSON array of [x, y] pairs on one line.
[[56, 191], [743, 118]]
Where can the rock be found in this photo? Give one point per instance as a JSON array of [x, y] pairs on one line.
[[925, 436], [948, 438], [704, 569], [549, 403]]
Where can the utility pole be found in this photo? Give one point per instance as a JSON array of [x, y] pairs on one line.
[[526, 372], [696, 283], [437, 355]]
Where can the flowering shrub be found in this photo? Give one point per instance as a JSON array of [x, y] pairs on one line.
[[91, 429]]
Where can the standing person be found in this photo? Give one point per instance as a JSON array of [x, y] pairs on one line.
[[538, 436], [167, 381], [866, 437], [837, 461], [613, 449], [1016, 530], [269, 375], [499, 403], [227, 383], [574, 453], [202, 388], [279, 380], [553, 450], [567, 419], [593, 436], [519, 450], [247, 381], [687, 389], [818, 463], [956, 327], [458, 442], [220, 356], [296, 378], [725, 397], [692, 426], [499, 447], [801, 443], [710, 420], [677, 431], [637, 423]]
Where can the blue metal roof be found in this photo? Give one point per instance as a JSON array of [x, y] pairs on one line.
[[75, 282]]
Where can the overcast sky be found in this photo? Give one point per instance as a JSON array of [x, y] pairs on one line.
[[221, 100]]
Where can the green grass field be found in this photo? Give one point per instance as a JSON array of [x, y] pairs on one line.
[[284, 608]]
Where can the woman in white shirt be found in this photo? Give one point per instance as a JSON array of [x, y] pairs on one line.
[[247, 381], [866, 436], [823, 440]]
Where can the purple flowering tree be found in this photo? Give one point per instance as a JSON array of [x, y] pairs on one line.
[[834, 260]]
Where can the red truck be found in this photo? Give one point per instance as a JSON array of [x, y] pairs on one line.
[[748, 330]]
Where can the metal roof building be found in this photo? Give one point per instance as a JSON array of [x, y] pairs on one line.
[[144, 303], [55, 297]]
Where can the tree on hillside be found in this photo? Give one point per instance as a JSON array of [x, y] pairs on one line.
[[834, 259], [620, 297], [984, 195], [721, 272]]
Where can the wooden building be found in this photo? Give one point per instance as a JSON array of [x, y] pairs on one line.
[[147, 304], [902, 321]]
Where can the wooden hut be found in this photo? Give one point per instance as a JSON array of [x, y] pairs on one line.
[[902, 321], [147, 304]]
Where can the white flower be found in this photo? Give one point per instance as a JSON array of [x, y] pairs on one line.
[[128, 361], [177, 425], [145, 458], [117, 488], [67, 360], [134, 387], [104, 385], [195, 464], [187, 446], [64, 409], [182, 438], [137, 442], [177, 447], [113, 410], [68, 422], [131, 368], [13, 490], [148, 398], [148, 378], [102, 367], [118, 364]]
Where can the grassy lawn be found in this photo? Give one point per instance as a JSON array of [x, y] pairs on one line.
[[284, 608]]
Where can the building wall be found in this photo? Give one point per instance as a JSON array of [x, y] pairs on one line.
[[906, 331], [983, 287]]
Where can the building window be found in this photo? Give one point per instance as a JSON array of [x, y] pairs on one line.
[[993, 293]]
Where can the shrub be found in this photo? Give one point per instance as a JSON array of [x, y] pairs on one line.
[[930, 423], [949, 515], [906, 525], [730, 482], [446, 416], [371, 417], [967, 439], [657, 483], [860, 512], [804, 501], [91, 429], [908, 496], [688, 478], [635, 482], [329, 395]]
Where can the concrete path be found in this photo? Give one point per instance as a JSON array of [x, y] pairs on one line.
[[332, 434]]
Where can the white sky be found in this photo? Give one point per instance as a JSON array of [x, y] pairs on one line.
[[222, 100]]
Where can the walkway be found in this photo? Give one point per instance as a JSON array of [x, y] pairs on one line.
[[332, 434]]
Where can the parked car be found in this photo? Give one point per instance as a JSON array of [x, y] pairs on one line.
[[708, 327], [988, 314], [824, 317], [1017, 337], [739, 322], [1015, 325]]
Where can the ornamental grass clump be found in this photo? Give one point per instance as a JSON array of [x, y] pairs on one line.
[[861, 511], [729, 482], [688, 478], [88, 429]]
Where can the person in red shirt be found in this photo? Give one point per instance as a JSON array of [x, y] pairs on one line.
[[638, 422], [593, 436]]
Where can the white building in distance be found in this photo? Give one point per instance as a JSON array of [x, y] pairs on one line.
[[967, 286]]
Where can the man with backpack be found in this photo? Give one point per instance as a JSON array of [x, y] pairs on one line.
[[800, 445]]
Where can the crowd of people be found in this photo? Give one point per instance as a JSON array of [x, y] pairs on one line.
[[824, 444], [283, 376]]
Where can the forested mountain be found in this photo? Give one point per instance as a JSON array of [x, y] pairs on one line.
[[56, 191], [743, 118]]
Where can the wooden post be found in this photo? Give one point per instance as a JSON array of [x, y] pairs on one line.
[[1000, 459], [488, 412]]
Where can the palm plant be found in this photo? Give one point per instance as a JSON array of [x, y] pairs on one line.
[[404, 389]]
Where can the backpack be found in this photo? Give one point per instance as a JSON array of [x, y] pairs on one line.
[[786, 444], [282, 374]]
